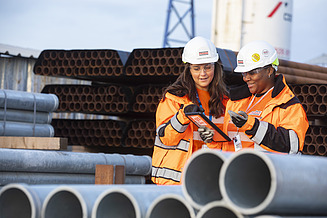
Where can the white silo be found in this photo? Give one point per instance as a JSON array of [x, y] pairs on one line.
[[237, 22]]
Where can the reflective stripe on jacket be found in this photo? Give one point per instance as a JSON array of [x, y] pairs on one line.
[[281, 126], [176, 139]]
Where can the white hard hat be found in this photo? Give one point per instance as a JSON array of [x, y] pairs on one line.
[[254, 55], [199, 51]]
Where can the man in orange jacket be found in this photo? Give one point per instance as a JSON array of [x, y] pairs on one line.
[[201, 88], [264, 114]]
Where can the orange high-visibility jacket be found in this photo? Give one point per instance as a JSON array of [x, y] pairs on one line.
[[281, 126], [176, 139]]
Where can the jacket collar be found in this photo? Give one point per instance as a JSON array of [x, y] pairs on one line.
[[243, 91]]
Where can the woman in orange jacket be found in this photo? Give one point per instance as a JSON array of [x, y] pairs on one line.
[[263, 114], [201, 86]]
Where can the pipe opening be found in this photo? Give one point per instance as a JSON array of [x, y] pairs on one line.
[[219, 212], [247, 180], [15, 203], [63, 204], [169, 207], [203, 169], [115, 204]]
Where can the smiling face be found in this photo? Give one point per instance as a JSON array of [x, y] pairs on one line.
[[259, 80], [202, 75]]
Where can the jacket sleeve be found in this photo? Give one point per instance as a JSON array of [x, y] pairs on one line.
[[171, 122], [286, 136]]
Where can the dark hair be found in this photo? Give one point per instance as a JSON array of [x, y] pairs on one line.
[[185, 85]]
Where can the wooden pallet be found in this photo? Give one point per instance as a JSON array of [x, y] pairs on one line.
[[42, 143]]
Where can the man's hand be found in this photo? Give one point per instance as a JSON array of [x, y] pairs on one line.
[[239, 119], [206, 134]]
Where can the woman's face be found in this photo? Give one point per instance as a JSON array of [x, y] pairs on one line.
[[202, 75], [258, 80]]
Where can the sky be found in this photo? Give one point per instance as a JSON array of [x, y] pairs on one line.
[[130, 24]]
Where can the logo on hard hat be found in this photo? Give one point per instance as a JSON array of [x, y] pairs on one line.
[[255, 57], [201, 53], [265, 52], [240, 62]]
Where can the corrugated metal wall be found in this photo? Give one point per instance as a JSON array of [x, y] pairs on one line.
[[16, 73]]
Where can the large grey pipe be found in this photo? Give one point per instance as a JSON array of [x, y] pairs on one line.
[[70, 162], [25, 116], [200, 180], [170, 205], [34, 178], [102, 200], [132, 200], [28, 100], [254, 182], [25, 129], [218, 209], [23, 201]]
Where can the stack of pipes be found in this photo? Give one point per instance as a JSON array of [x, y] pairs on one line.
[[140, 134], [214, 184], [80, 63], [102, 99], [155, 62], [147, 99], [109, 133], [90, 132], [316, 141], [106, 99], [313, 97], [59, 167], [251, 183], [26, 114]]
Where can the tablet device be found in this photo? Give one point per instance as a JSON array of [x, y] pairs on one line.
[[199, 119]]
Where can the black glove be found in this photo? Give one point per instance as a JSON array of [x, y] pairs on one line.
[[239, 119], [206, 134], [192, 108]]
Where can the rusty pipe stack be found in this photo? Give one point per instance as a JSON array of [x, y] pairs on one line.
[[155, 62], [109, 133], [313, 97], [140, 133], [299, 73], [91, 99], [90, 132], [316, 141], [79, 63], [147, 99]]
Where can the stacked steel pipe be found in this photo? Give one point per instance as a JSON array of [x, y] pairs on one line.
[[316, 141], [147, 99], [59, 167], [155, 62], [84, 64], [26, 114], [109, 133], [140, 134], [90, 132], [299, 73], [109, 99], [313, 97]]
